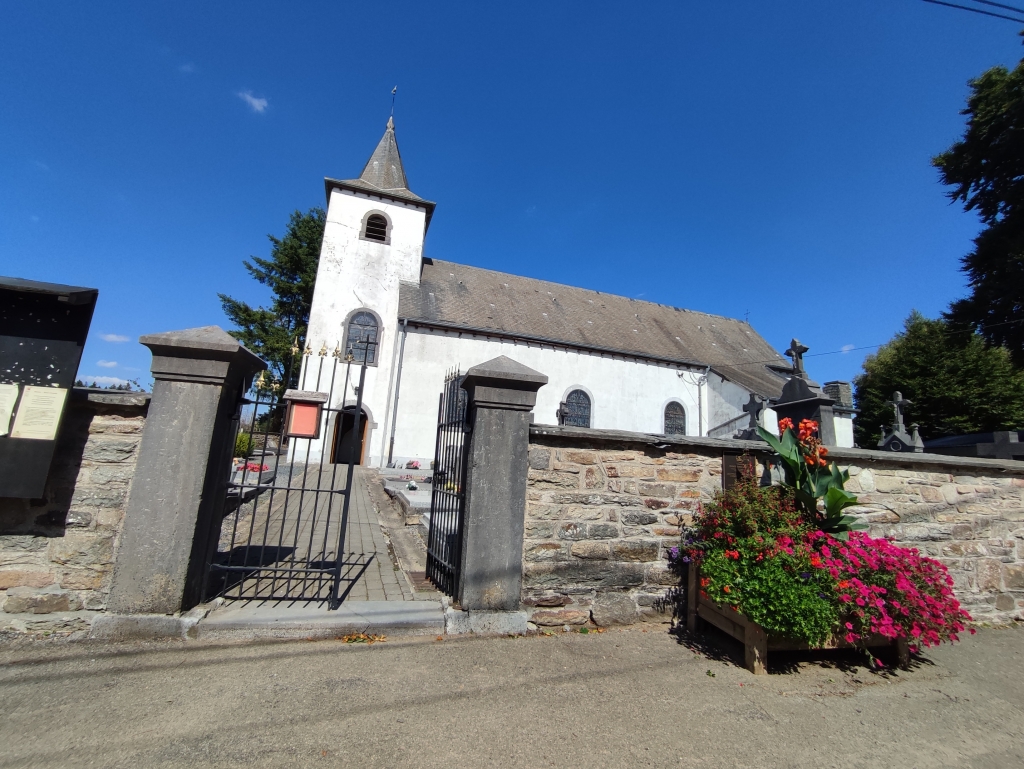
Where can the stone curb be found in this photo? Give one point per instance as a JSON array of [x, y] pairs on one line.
[[142, 627], [457, 622]]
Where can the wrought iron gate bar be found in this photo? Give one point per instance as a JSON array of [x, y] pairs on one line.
[[447, 498], [287, 540]]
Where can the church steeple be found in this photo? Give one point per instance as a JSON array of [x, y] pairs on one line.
[[383, 176], [384, 168]]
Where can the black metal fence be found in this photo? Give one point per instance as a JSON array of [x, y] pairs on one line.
[[283, 535], [448, 496]]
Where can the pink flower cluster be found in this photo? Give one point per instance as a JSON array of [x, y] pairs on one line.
[[891, 591], [253, 467]]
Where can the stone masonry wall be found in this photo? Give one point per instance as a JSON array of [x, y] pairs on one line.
[[603, 508], [972, 522], [599, 522], [56, 553]]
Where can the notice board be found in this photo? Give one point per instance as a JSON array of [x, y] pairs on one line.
[[43, 328]]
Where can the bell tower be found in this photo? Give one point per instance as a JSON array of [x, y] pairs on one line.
[[373, 241]]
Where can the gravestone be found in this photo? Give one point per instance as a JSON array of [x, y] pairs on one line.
[[754, 408], [898, 439], [801, 398], [1002, 444]]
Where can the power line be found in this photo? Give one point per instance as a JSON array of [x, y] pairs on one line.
[[978, 10], [1000, 5]]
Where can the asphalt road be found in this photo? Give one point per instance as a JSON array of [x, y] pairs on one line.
[[621, 698]]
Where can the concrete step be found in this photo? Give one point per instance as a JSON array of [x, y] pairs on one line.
[[245, 621]]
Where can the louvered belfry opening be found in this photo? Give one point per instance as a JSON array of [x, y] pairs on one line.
[[376, 228]]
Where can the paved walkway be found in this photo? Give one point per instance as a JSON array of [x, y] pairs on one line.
[[382, 580], [294, 524], [616, 699]]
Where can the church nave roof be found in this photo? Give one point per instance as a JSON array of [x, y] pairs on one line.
[[459, 296]]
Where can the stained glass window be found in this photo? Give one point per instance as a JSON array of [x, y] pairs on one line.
[[362, 337], [675, 419], [577, 409]]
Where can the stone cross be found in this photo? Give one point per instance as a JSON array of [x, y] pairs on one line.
[[796, 352], [899, 406], [754, 407]]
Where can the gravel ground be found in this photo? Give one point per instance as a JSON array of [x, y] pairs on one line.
[[636, 697]]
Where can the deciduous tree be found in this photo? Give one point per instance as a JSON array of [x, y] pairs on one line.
[[956, 382]]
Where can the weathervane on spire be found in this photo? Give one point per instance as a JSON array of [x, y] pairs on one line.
[[393, 92]]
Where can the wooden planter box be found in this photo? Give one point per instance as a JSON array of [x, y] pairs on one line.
[[755, 639]]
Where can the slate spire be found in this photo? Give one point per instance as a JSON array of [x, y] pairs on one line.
[[384, 168]]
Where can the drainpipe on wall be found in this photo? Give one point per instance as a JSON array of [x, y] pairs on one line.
[[703, 380], [398, 385]]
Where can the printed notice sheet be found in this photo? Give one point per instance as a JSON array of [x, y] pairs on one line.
[[8, 397], [39, 413]]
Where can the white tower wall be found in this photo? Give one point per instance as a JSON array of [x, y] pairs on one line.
[[356, 274]]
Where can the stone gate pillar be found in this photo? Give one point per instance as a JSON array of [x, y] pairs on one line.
[[502, 393], [175, 507]]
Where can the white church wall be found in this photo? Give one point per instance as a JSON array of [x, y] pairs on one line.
[[725, 402], [626, 395]]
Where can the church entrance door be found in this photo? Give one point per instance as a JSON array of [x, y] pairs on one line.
[[349, 444]]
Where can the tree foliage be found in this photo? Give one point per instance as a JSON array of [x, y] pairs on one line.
[[956, 382], [290, 273], [986, 172]]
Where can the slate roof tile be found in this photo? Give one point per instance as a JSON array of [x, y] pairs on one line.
[[459, 296]]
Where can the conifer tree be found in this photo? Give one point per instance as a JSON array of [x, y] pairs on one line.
[[290, 273], [986, 172]]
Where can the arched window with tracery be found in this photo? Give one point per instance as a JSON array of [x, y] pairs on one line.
[[675, 419], [361, 337], [576, 410], [376, 228]]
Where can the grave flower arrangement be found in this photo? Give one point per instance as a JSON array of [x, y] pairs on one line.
[[789, 559]]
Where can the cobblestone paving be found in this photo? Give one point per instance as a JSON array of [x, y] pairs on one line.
[[301, 529]]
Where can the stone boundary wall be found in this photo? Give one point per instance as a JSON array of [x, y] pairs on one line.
[[57, 553], [603, 507]]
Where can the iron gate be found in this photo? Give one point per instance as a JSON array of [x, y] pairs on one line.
[[283, 534], [448, 496]]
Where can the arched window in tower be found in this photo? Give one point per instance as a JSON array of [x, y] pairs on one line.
[[575, 412], [376, 228], [675, 419], [361, 339]]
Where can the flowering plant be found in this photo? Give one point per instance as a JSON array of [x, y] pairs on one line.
[[760, 552], [253, 467], [812, 477]]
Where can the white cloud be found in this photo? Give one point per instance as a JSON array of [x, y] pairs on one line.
[[187, 69], [846, 348], [103, 381], [40, 165], [113, 338], [258, 103], [107, 363]]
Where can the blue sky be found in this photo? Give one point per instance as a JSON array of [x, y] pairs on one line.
[[730, 157]]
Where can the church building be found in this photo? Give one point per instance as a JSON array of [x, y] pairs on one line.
[[612, 362]]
